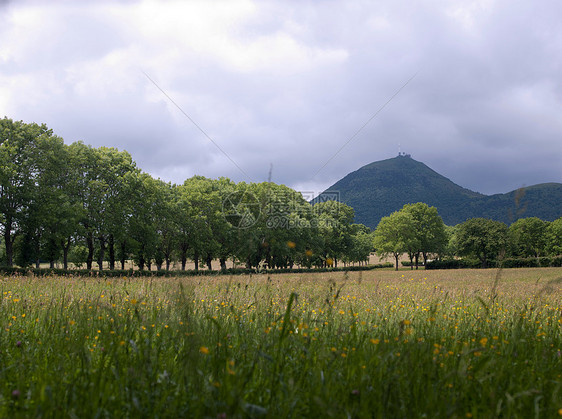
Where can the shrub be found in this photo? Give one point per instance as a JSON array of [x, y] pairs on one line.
[[542, 262], [453, 264], [408, 263]]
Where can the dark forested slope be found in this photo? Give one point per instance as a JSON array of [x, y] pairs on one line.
[[379, 188]]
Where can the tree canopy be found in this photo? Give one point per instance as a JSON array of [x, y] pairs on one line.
[[483, 239], [55, 198], [415, 229]]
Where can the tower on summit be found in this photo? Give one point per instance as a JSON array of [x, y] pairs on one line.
[[402, 154]]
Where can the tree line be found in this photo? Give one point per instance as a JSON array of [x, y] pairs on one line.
[[91, 205], [76, 203], [417, 230]]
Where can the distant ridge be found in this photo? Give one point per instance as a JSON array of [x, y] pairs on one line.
[[380, 188]]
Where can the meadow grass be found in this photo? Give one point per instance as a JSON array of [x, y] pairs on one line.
[[464, 343]]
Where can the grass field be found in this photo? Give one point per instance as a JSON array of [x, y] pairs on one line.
[[466, 343]]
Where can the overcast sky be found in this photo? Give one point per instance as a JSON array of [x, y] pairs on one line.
[[286, 84]]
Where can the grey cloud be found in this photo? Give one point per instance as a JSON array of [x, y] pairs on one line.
[[289, 83]]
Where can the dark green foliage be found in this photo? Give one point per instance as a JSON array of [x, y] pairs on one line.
[[542, 262], [394, 235], [483, 239], [416, 230], [554, 237], [454, 264], [429, 232], [528, 237], [23, 155], [408, 263]]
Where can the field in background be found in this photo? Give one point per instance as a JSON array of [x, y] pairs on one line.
[[462, 343], [373, 260]]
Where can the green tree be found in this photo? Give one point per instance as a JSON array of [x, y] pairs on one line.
[[54, 213], [90, 194], [19, 158], [334, 220], [429, 231], [165, 226], [246, 211], [197, 208], [143, 225], [554, 237], [104, 187], [528, 237], [271, 226], [223, 245], [482, 238], [183, 220], [117, 173], [285, 225], [394, 234], [451, 247], [205, 214], [361, 244]]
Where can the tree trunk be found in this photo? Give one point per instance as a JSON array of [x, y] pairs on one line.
[[123, 249], [223, 264], [183, 255], [417, 258], [396, 257], [65, 258], [9, 249], [9, 242], [141, 262], [90, 258], [196, 260], [183, 260], [111, 252], [484, 261], [209, 262], [102, 252], [65, 248], [168, 258]]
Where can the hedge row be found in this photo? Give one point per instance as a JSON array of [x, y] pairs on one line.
[[13, 271], [408, 263], [542, 262], [454, 264]]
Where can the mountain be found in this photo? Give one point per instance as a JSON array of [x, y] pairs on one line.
[[380, 188]]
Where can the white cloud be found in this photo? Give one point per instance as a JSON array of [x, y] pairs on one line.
[[469, 14]]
